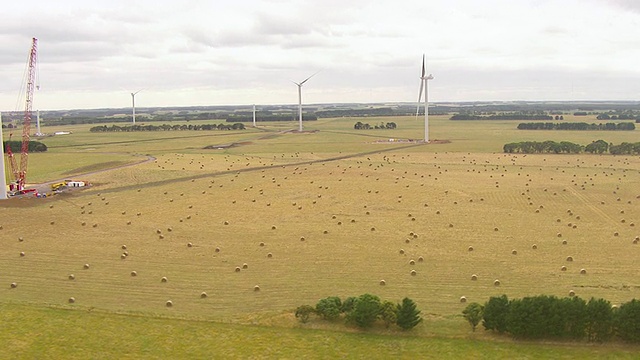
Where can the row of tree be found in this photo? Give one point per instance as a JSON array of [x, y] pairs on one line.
[[505, 116], [364, 126], [271, 117], [166, 127], [550, 317], [363, 311], [566, 147], [16, 146], [625, 126]]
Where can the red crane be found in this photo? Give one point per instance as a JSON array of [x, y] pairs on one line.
[[20, 175]]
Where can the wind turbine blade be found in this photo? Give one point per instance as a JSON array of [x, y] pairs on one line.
[[420, 97], [305, 80], [424, 70]]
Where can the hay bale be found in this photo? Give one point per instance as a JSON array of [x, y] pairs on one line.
[[161, 236], [564, 242], [261, 244], [14, 285], [514, 252], [95, 225], [273, 227], [269, 255], [470, 248], [217, 249], [123, 247], [463, 299], [563, 268], [572, 293], [413, 273], [189, 245], [203, 295], [256, 288], [496, 282], [72, 300], [495, 229], [86, 266], [401, 251], [583, 271], [134, 273], [164, 279], [569, 258], [616, 234], [474, 277], [123, 256], [383, 283], [245, 266], [72, 277], [169, 303], [237, 268], [22, 254], [302, 238], [226, 223], [534, 247], [412, 262]]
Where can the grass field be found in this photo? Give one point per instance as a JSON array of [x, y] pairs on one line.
[[312, 215]]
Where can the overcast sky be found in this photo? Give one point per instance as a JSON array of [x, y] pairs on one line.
[[180, 53]]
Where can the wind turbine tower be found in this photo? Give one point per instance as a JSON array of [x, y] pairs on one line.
[[3, 180], [254, 115], [300, 98], [133, 105], [424, 85], [38, 133]]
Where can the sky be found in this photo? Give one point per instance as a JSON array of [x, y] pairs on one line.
[[196, 53]]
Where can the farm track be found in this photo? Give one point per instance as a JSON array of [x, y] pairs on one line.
[[586, 202], [226, 172]]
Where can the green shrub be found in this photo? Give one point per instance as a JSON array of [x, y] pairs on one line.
[[627, 321], [495, 312], [599, 320], [473, 314], [303, 312], [388, 313], [329, 308], [365, 310], [408, 314]]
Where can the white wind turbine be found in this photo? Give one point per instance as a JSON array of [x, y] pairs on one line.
[[424, 85], [3, 181], [300, 98], [133, 105]]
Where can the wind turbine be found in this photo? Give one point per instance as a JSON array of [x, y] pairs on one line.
[[424, 85], [300, 98], [133, 105], [254, 115], [3, 180]]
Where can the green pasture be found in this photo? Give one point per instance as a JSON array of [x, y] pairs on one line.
[[325, 213]]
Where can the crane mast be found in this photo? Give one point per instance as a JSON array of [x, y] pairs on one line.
[[20, 175]]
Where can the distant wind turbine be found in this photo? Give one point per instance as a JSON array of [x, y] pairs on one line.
[[133, 105], [254, 115], [424, 85], [3, 181], [300, 98]]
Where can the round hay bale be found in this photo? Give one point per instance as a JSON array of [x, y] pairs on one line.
[[256, 288], [169, 303], [412, 262], [407, 241], [572, 293], [470, 248], [583, 271], [226, 223], [514, 252], [569, 258], [534, 247], [495, 229], [420, 259], [564, 242], [463, 299], [563, 268], [237, 268], [20, 239], [72, 300], [203, 295], [217, 249], [383, 283], [164, 279], [450, 225], [134, 273], [616, 233], [14, 285], [52, 222], [325, 232], [559, 235], [161, 236], [123, 247], [95, 225], [273, 227], [269, 255], [123, 256], [86, 266], [496, 282], [245, 266], [373, 229], [72, 277], [189, 244], [413, 273], [22, 254], [261, 244], [302, 238], [474, 277], [401, 251]]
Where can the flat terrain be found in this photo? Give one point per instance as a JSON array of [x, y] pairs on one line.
[[306, 216]]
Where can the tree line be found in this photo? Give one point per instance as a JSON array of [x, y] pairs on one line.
[[271, 117], [566, 147], [553, 318], [166, 127], [363, 311], [16, 146], [505, 116], [577, 126], [364, 126]]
